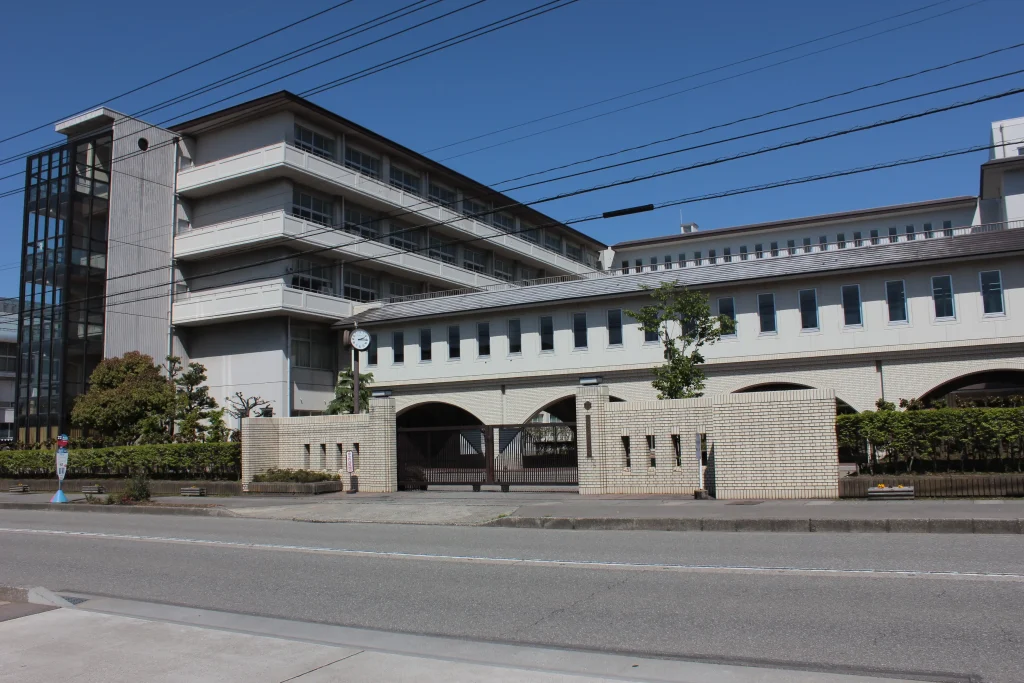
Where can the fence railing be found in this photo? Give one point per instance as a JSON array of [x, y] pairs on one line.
[[938, 486]]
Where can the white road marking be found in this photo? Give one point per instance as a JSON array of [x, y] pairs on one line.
[[589, 564]]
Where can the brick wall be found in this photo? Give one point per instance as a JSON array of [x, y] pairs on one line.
[[321, 442], [759, 445]]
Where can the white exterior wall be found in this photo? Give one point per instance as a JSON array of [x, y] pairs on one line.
[[248, 201], [1004, 133], [241, 137]]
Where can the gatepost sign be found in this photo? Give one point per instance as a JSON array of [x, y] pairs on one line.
[[62, 468]]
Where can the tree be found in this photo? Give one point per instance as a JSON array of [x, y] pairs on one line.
[[342, 403], [242, 406], [124, 395], [193, 405], [682, 320]]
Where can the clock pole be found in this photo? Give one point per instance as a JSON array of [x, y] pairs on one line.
[[355, 380]]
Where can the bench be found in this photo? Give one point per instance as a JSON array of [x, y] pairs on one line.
[[19, 488], [92, 489], [891, 493], [192, 491]]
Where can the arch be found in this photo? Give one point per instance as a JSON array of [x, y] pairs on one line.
[[561, 409], [842, 407], [436, 414], [984, 386]]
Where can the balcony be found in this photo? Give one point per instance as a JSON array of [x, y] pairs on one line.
[[278, 226], [283, 160], [256, 300]]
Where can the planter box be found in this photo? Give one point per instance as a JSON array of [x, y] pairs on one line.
[[157, 487], [287, 488], [938, 485]]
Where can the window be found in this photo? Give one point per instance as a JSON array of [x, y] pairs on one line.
[[547, 333], [697, 258], [894, 235], [775, 249], [625, 266], [404, 180], [515, 336], [504, 269], [928, 232], [727, 307], [759, 250], [311, 208], [359, 286], [668, 262], [553, 242], [505, 222], [651, 337], [851, 305], [791, 246], [398, 289], [654, 263], [841, 240], [398, 346], [454, 342], [615, 327], [483, 339], [910, 233], [807, 245], [441, 251], [638, 266], [579, 330], [874, 237], [575, 252], [743, 253], [312, 347], [823, 243], [808, 309], [442, 195], [405, 236], [425, 345], [942, 296], [857, 239], [361, 221], [314, 143], [727, 254], [896, 299], [947, 228], [313, 277], [682, 260], [992, 292], [528, 233], [474, 259], [8, 357], [363, 162], [371, 351], [476, 210], [766, 312], [711, 256]]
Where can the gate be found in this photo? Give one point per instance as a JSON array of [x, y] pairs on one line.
[[530, 454]]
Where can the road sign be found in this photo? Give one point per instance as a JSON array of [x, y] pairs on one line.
[[62, 463], [62, 468]]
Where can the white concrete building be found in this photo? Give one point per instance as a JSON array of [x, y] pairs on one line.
[[8, 365], [282, 223]]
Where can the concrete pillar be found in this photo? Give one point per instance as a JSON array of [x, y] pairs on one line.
[[591, 440]]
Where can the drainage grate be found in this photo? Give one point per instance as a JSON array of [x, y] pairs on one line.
[[74, 600]]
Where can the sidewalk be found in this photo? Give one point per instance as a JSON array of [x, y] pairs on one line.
[[568, 510], [119, 640]]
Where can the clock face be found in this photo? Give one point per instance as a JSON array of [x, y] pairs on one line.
[[360, 339]]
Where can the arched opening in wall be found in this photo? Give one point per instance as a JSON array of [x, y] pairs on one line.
[[842, 407], [436, 414], [562, 410], [991, 388], [440, 443]]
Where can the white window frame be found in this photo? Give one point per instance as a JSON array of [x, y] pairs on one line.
[[504, 221], [540, 333], [429, 346], [718, 305], [440, 250], [405, 237], [504, 269], [608, 328], [325, 150], [981, 291], [360, 227], [775, 316], [817, 311], [315, 277], [906, 304], [448, 203], [860, 308], [394, 360], [373, 289], [474, 259], [304, 208], [508, 336], [586, 331], [490, 339], [402, 182], [952, 300], [360, 165], [477, 211], [549, 237], [397, 288]]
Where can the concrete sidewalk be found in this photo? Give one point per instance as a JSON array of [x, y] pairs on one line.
[[571, 511], [118, 640]]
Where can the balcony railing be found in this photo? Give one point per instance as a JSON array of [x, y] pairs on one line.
[[783, 252]]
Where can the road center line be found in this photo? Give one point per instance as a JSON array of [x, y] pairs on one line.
[[528, 561]]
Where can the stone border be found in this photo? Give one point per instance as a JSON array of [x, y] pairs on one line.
[[291, 488]]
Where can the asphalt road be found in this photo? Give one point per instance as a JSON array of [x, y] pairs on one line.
[[947, 605]]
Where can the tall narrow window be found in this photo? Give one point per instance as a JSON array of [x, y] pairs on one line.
[[727, 254], [651, 336], [454, 342], [654, 263], [775, 249], [874, 237], [759, 250], [807, 245], [712, 256], [682, 260], [823, 243], [766, 312], [638, 266], [698, 259], [992, 292], [579, 330], [727, 307], [851, 305], [743, 253], [483, 339], [910, 233], [928, 232], [896, 300], [425, 344], [894, 234], [791, 246], [808, 309], [667, 265], [515, 336], [841, 240], [398, 346], [547, 333], [625, 266], [615, 327], [858, 240], [371, 351], [947, 228], [942, 295]]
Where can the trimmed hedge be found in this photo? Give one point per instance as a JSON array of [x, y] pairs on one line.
[[935, 440], [296, 476], [160, 461]]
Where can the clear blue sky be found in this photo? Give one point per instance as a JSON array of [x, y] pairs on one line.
[[66, 55]]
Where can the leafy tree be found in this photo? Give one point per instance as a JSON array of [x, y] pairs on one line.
[[193, 405], [124, 395], [342, 403], [682, 319], [217, 431]]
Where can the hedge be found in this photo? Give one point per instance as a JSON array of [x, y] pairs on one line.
[[161, 461], [939, 439]]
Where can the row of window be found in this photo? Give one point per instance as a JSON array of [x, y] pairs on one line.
[[850, 301], [8, 357], [807, 246], [412, 182]]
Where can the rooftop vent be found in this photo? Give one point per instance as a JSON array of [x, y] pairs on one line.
[[687, 228]]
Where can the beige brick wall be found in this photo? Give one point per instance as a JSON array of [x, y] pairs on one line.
[[761, 445], [321, 442]]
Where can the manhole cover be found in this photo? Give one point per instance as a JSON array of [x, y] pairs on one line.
[[74, 600]]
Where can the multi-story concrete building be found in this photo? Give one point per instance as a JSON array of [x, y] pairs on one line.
[[281, 223], [8, 365]]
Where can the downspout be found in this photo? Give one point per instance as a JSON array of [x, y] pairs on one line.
[[174, 233]]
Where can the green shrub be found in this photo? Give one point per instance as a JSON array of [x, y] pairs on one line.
[[160, 461], [298, 476]]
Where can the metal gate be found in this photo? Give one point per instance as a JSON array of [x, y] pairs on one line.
[[507, 455]]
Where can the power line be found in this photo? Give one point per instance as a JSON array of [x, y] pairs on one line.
[[183, 70], [705, 85]]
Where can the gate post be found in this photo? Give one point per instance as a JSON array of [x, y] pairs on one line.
[[488, 434]]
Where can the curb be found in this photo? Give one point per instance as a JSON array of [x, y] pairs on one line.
[[882, 526], [120, 509], [33, 595]]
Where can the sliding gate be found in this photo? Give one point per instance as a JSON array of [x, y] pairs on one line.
[[506, 455]]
